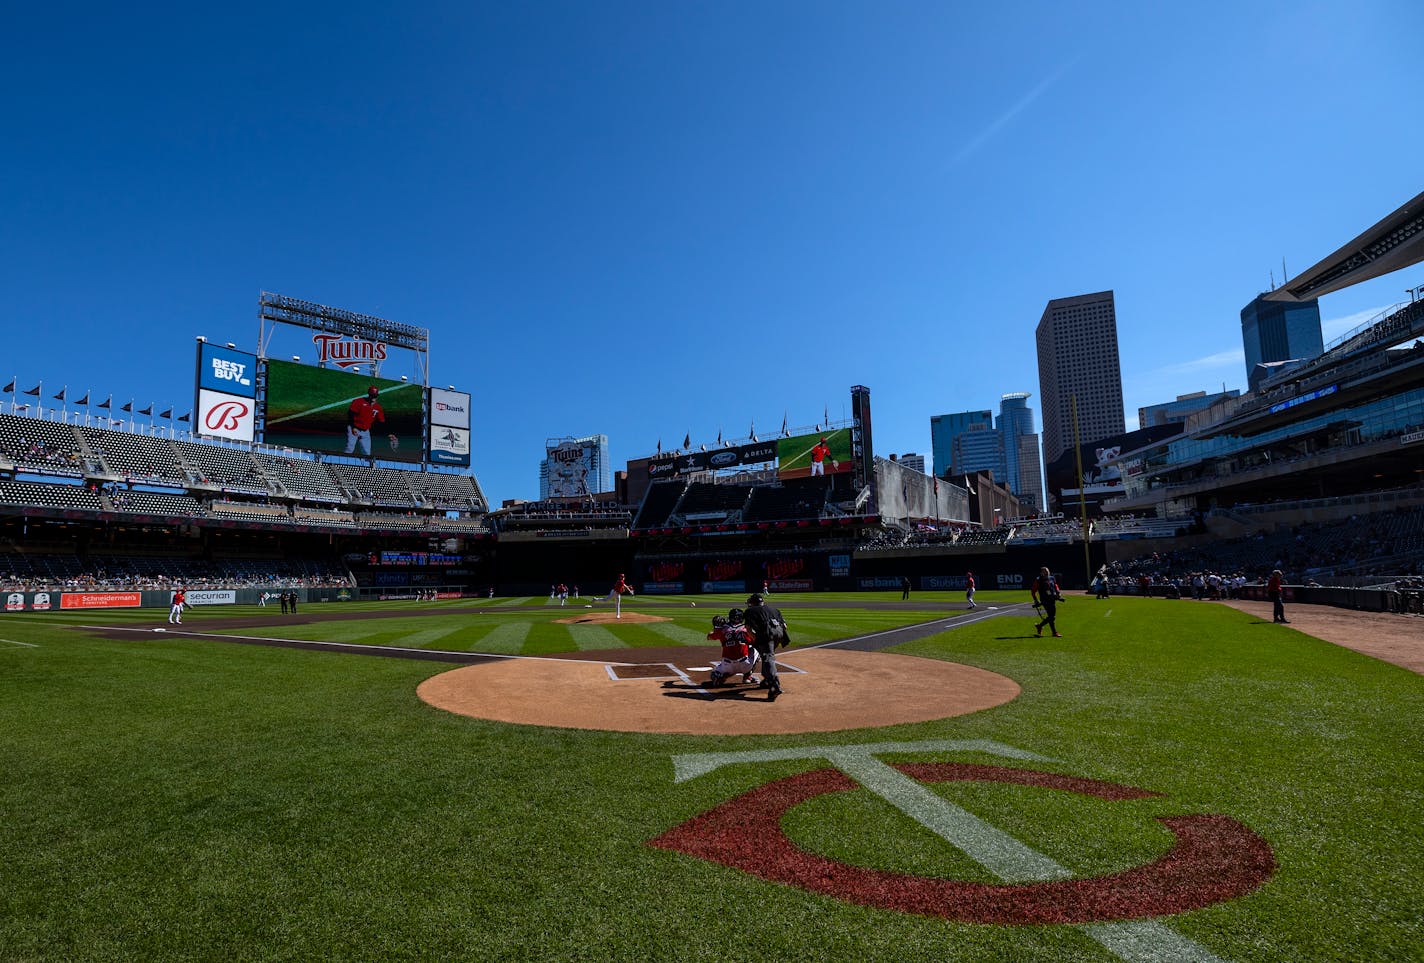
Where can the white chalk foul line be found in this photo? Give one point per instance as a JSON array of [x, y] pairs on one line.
[[349, 645], [28, 645], [952, 622]]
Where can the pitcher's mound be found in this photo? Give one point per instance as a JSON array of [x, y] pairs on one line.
[[605, 618], [665, 690]]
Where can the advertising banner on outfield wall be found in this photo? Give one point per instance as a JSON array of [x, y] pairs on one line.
[[756, 453], [228, 597], [100, 600]]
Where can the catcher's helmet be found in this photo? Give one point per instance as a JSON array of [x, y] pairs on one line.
[[735, 616], [719, 621]]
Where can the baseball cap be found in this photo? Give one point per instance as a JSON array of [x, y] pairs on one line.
[[754, 599], [373, 390]]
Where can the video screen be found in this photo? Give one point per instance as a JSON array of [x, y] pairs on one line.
[[343, 414], [828, 453]]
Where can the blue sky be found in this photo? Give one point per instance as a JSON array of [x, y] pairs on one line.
[[651, 220]]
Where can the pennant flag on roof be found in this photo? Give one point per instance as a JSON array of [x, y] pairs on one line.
[[660, 446], [146, 411], [35, 390], [10, 388], [166, 414], [60, 396], [187, 417], [783, 424], [107, 402], [127, 407], [84, 400], [687, 440]]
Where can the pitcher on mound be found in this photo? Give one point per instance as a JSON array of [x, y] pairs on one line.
[[619, 587]]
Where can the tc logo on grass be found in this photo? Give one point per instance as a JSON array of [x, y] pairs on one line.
[[1214, 858]]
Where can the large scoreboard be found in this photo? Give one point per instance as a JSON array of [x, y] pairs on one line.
[[341, 413], [345, 404]]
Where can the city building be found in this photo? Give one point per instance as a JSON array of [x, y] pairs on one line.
[[1274, 331], [1023, 473], [912, 460], [1078, 362], [580, 467], [972, 441], [965, 442], [1176, 412]]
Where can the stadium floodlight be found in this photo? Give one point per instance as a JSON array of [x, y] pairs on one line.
[[296, 357], [404, 378], [449, 387], [231, 345], [201, 338]]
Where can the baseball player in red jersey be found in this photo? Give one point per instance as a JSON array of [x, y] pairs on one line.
[[175, 614], [619, 587], [363, 413], [819, 454], [969, 589], [738, 657]]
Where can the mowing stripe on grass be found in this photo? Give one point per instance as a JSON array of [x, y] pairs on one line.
[[426, 636], [507, 638], [677, 633], [595, 637]]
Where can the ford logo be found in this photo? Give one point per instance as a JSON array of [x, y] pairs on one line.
[[724, 458]]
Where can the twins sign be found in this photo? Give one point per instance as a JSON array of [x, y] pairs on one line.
[[1212, 859]]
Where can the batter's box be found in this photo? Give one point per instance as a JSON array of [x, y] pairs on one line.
[[653, 670]]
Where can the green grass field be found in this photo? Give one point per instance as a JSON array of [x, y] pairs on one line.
[[165, 798]]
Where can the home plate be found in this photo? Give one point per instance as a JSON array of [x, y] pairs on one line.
[[698, 668]]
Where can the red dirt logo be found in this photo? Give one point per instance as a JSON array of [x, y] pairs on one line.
[[1213, 858]]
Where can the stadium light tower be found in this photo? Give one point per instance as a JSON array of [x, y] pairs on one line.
[[201, 338], [231, 345]]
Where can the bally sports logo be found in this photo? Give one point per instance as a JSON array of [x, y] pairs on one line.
[[346, 354], [225, 416]]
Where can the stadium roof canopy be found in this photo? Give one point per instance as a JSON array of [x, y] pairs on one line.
[[1394, 243]]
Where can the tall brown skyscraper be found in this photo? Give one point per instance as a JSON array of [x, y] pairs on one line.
[[1077, 355]]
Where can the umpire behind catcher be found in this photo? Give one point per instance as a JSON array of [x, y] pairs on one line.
[[769, 633]]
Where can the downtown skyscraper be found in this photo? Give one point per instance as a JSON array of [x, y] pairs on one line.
[[1078, 360]]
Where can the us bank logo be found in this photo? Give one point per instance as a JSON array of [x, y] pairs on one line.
[[1213, 858]]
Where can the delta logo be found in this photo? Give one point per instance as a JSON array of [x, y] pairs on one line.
[[343, 353]]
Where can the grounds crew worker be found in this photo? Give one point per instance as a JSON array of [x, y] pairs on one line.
[[769, 633]]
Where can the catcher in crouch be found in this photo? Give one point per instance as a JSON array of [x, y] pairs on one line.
[[738, 657]]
